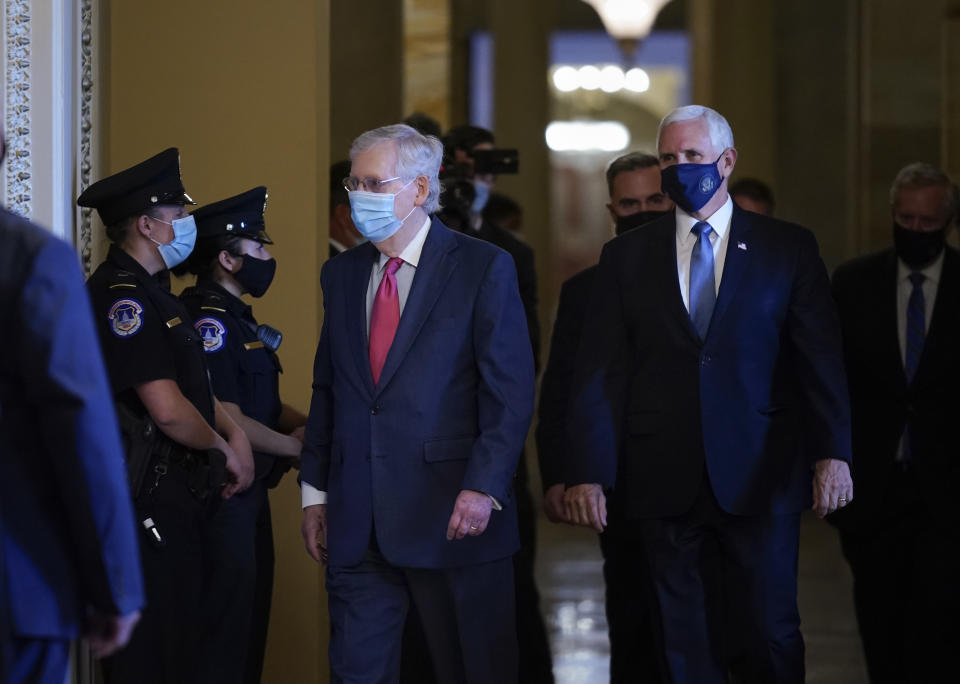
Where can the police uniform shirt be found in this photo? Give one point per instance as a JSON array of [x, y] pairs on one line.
[[243, 371], [146, 333]]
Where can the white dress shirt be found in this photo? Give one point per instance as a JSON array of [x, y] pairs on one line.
[[310, 495], [686, 239]]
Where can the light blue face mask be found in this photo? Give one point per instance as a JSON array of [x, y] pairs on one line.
[[184, 237], [372, 213], [481, 196]]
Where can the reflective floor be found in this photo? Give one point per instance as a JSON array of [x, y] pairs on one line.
[[569, 572]]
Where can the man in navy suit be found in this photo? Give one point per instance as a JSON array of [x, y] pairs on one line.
[[422, 397], [901, 331], [710, 396], [69, 562]]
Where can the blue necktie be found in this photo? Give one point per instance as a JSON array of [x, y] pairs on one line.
[[916, 326], [916, 331], [703, 291]]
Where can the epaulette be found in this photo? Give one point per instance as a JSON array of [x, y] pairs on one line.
[[122, 280], [213, 301]]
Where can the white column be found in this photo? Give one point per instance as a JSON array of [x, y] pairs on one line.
[[40, 110]]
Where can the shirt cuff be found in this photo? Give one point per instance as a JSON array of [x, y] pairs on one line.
[[497, 506], [311, 496]]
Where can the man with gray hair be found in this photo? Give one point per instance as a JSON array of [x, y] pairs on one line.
[[901, 332], [710, 401], [422, 398]]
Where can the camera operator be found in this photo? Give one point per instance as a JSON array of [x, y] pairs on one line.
[[471, 162]]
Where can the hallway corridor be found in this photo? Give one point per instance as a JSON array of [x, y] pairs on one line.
[[569, 572]]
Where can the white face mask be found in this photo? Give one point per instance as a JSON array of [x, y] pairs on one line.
[[373, 214]]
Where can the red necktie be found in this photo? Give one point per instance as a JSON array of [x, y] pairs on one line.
[[384, 318]]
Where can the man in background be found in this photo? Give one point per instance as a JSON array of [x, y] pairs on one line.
[[901, 332], [464, 141], [633, 182]]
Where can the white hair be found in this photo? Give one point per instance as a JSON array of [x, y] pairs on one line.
[[721, 137], [417, 155], [923, 175]]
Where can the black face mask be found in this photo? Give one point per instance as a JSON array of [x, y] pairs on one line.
[[255, 275], [625, 223], [916, 248]]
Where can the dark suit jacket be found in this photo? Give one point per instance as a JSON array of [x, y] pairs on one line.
[[451, 410], [558, 376], [883, 403], [654, 404], [68, 537], [524, 260]]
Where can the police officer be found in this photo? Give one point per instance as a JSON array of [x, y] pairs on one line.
[[230, 260], [174, 429]]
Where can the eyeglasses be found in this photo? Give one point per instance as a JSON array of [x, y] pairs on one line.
[[369, 184]]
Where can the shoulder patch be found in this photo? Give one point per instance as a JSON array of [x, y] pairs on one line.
[[212, 332], [126, 317]]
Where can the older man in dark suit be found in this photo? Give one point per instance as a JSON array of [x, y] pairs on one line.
[[900, 313], [719, 348], [423, 392]]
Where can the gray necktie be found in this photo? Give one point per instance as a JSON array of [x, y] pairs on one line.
[[703, 291]]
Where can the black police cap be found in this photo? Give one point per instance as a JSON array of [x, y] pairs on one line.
[[240, 215], [150, 183]]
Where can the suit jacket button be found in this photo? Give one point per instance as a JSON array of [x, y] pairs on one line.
[[374, 410]]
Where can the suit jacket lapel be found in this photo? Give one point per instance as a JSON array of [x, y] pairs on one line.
[[735, 262], [357, 310], [435, 266], [666, 260], [887, 319]]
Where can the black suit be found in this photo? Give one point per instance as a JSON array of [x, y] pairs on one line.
[[900, 534], [633, 655], [700, 439]]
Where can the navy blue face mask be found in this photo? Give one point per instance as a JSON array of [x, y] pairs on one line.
[[691, 185]]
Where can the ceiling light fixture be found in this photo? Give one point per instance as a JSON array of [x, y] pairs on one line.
[[628, 21]]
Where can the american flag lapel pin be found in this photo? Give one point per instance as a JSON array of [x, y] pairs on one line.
[[742, 245]]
